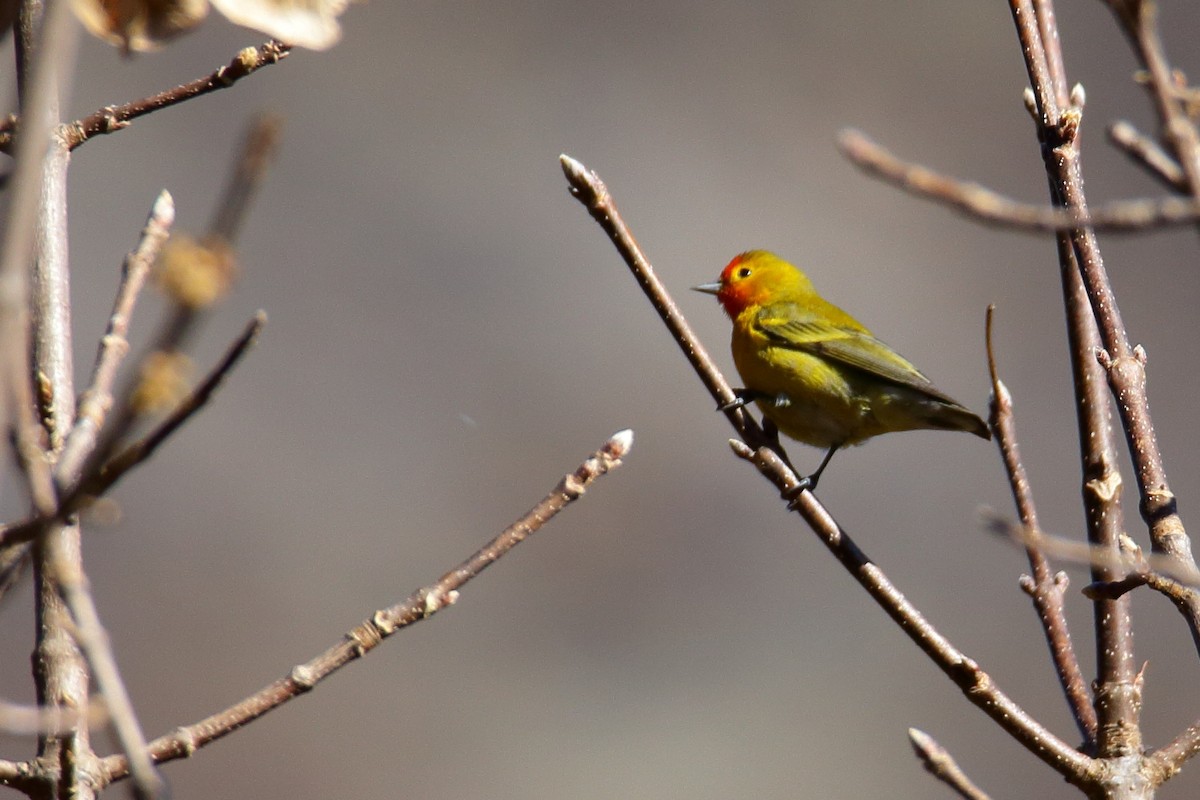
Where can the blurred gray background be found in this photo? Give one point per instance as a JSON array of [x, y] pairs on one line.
[[450, 332]]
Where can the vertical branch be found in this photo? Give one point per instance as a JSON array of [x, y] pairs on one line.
[[1101, 490], [1118, 700], [59, 670], [1045, 588], [50, 294]]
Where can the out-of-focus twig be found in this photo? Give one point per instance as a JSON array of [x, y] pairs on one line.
[[1147, 153], [1139, 20], [102, 469], [978, 202], [258, 151], [420, 605], [112, 470]]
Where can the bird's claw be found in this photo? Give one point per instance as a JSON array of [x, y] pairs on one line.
[[744, 397], [792, 495], [741, 399]]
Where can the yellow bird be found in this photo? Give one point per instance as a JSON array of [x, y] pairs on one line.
[[815, 371]]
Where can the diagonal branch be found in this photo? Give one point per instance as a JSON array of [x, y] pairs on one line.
[[104, 469], [98, 481], [420, 605], [111, 119], [98, 397], [977, 685], [941, 765], [1147, 153]]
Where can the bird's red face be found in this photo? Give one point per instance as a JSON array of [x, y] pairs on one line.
[[740, 285]]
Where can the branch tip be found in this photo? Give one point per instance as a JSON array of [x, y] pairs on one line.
[[619, 443]]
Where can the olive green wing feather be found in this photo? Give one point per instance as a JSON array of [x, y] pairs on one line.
[[843, 341]]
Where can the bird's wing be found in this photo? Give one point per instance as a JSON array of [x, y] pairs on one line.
[[790, 326]]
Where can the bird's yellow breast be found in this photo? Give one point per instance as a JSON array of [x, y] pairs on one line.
[[822, 407]]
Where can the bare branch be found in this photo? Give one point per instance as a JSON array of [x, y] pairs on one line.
[[114, 118], [258, 151], [367, 635], [19, 719], [98, 397], [99, 481], [939, 763], [1139, 20], [1167, 760], [1045, 588], [99, 475], [1146, 153], [977, 685], [89, 633], [587, 187], [1118, 686], [985, 205]]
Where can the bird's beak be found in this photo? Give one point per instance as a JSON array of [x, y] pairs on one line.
[[708, 288]]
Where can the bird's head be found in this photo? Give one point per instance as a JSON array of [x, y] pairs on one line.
[[757, 278]]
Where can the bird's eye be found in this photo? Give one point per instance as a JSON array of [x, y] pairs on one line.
[[744, 272]]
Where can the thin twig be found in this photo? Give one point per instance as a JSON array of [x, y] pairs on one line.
[[103, 470], [182, 320], [114, 118], [1140, 24], [52, 52], [1146, 153], [361, 640], [978, 687], [97, 398], [1046, 588], [941, 765], [985, 205], [20, 775], [113, 469], [93, 640]]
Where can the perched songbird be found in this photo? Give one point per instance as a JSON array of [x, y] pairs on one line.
[[814, 370]]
